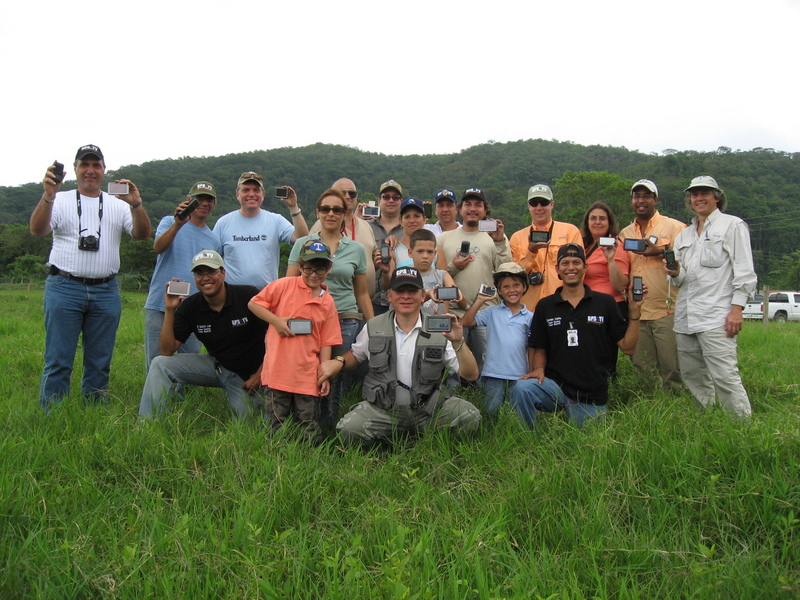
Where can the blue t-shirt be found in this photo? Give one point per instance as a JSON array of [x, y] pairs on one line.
[[251, 246], [506, 341], [350, 260], [176, 261]]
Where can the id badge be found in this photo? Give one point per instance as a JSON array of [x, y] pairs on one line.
[[572, 337]]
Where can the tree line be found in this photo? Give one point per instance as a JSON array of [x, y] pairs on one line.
[[763, 187]]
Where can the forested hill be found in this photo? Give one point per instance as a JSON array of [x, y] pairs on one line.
[[763, 186]]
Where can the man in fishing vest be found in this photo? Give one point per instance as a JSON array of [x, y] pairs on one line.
[[406, 390]]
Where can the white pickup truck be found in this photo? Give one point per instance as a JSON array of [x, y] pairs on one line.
[[783, 306]]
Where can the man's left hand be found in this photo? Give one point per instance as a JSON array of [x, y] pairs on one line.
[[253, 384], [132, 197], [734, 320], [498, 234], [291, 199]]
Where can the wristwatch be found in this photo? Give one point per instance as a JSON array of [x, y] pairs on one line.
[[341, 360]]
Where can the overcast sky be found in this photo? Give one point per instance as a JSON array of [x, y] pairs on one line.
[[151, 80]]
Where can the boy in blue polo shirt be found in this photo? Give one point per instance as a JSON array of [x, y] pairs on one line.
[[508, 326]]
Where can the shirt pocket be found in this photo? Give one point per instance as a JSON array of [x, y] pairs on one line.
[[712, 254]]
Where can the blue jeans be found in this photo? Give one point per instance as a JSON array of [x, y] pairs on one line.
[[329, 414], [167, 372], [72, 309], [153, 320], [494, 392], [529, 396]]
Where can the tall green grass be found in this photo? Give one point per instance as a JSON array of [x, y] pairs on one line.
[[658, 501]]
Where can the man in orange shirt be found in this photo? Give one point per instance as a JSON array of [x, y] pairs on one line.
[[536, 247], [656, 352]]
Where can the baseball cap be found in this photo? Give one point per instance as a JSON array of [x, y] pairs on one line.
[[315, 250], [406, 276], [89, 150], [412, 203], [391, 184], [571, 250], [203, 188], [540, 191], [251, 176], [445, 194], [703, 181], [474, 193], [207, 258], [645, 183]]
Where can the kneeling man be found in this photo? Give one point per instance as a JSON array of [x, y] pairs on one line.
[[403, 392], [233, 336], [570, 349]]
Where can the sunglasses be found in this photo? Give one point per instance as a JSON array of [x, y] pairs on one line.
[[394, 197], [538, 202], [351, 193], [324, 210]]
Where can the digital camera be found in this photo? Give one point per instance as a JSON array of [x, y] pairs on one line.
[[90, 243], [536, 278]]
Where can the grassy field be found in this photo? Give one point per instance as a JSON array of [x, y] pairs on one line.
[[658, 501]]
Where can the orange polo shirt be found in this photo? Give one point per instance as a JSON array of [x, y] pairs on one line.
[[290, 363], [651, 268], [543, 260]]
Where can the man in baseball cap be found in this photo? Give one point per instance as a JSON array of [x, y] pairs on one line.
[[233, 336], [81, 295], [403, 391], [444, 204], [536, 247], [656, 354], [178, 238], [573, 345], [251, 237], [715, 274]]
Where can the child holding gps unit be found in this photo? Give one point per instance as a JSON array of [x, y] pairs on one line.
[[508, 326], [422, 252], [304, 326]]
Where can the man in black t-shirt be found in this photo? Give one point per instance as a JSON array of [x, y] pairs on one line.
[[233, 336], [569, 349]]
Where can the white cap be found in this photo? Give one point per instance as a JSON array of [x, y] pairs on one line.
[[646, 183]]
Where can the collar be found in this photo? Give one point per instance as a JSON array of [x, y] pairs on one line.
[[588, 294], [521, 311], [302, 285], [397, 329], [709, 219], [545, 227]]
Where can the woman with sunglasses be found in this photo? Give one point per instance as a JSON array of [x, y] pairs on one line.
[[347, 284], [607, 264]]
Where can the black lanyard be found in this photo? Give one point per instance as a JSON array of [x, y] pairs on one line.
[[99, 213]]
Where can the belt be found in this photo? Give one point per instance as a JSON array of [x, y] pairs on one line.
[[54, 270]]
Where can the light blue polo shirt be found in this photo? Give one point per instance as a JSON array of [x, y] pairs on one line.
[[506, 341]]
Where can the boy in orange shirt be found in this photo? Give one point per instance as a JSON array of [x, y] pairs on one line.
[[304, 326]]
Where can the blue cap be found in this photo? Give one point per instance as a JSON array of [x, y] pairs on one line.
[[412, 203], [445, 194]]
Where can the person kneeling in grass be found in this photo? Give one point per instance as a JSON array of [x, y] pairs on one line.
[[508, 326], [570, 352], [403, 391], [218, 316], [304, 326]]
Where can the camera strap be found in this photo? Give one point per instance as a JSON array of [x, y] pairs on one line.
[[99, 213]]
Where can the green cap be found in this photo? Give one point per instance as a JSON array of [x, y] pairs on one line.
[[203, 188], [315, 249]]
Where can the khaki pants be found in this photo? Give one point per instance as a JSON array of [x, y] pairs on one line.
[[656, 353], [367, 424], [709, 369]]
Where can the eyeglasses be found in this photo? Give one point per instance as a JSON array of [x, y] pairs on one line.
[[324, 210], [643, 196], [395, 197], [351, 193], [538, 202], [203, 273], [320, 271]]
